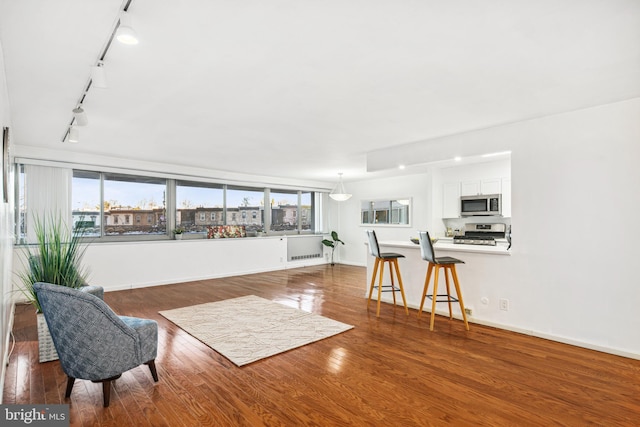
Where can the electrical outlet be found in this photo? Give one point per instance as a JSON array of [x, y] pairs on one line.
[[468, 311], [504, 304]]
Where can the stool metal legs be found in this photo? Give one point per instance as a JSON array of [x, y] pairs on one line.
[[434, 297], [392, 288]]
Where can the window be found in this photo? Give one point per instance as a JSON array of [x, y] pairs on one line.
[[113, 205], [245, 199], [389, 212], [292, 210], [124, 194], [124, 197], [85, 201], [199, 200]]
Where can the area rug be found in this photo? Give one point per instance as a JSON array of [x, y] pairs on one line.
[[250, 328]]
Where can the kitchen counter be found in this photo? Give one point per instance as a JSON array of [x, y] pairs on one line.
[[482, 264]]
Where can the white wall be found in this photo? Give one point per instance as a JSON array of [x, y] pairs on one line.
[[127, 265], [6, 241], [574, 178]]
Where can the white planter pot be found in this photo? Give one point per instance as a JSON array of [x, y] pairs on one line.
[[46, 349], [178, 236]]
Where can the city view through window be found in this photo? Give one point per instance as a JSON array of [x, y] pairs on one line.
[[138, 205]]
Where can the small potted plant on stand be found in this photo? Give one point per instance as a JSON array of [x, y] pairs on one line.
[[332, 244], [177, 233]]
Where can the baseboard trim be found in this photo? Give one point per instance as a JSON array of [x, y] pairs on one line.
[[533, 333]]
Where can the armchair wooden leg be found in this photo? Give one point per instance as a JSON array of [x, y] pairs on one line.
[[152, 368], [70, 381], [106, 388], [106, 392]]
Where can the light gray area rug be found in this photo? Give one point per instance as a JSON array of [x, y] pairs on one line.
[[250, 328]]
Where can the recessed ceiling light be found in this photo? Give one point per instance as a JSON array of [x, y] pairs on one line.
[[457, 158], [401, 166]]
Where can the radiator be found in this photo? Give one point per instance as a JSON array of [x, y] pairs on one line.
[[304, 247]]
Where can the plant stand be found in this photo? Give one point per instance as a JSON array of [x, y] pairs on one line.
[[46, 350]]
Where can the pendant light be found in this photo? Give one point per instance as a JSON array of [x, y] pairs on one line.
[[338, 193]]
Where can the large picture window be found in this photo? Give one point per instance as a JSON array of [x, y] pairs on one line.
[[113, 206]]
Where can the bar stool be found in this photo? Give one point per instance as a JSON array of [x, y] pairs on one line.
[[449, 265], [381, 258]]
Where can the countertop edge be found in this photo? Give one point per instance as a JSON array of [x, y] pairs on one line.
[[451, 247]]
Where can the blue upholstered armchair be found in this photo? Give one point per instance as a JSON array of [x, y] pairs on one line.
[[93, 343]]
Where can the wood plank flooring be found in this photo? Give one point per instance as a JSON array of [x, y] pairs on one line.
[[387, 371]]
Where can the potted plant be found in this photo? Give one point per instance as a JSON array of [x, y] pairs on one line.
[[332, 244], [177, 233], [55, 258]]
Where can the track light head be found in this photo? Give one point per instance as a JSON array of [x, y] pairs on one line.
[[126, 34], [80, 117], [98, 76], [74, 135]]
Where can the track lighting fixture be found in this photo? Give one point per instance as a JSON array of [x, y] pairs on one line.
[[74, 135], [80, 117], [98, 76], [338, 193], [126, 34]]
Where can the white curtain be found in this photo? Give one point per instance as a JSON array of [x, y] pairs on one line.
[[48, 195]]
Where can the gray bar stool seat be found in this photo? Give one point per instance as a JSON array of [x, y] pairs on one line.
[[380, 260], [449, 265]]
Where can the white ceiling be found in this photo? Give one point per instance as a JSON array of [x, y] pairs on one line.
[[305, 89]]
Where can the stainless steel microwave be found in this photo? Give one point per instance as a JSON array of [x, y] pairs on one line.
[[481, 205]]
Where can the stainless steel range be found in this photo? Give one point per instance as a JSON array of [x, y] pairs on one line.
[[481, 234]]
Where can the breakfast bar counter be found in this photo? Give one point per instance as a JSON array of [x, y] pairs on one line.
[[482, 265]]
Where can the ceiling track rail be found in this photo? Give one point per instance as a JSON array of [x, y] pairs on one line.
[[103, 54]]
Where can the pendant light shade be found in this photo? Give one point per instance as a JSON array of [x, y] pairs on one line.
[[74, 135], [80, 117], [126, 34], [338, 193]]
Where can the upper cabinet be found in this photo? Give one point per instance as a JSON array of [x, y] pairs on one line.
[[485, 186]]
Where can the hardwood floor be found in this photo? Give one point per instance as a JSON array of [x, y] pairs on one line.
[[387, 371]]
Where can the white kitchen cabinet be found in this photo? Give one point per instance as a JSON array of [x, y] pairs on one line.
[[485, 186], [469, 188], [506, 197], [451, 200]]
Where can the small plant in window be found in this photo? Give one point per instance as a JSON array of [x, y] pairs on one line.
[[177, 233], [332, 244]]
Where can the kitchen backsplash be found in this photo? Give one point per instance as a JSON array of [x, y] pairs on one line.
[[459, 223]]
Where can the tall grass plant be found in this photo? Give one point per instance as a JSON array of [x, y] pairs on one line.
[[55, 257]]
